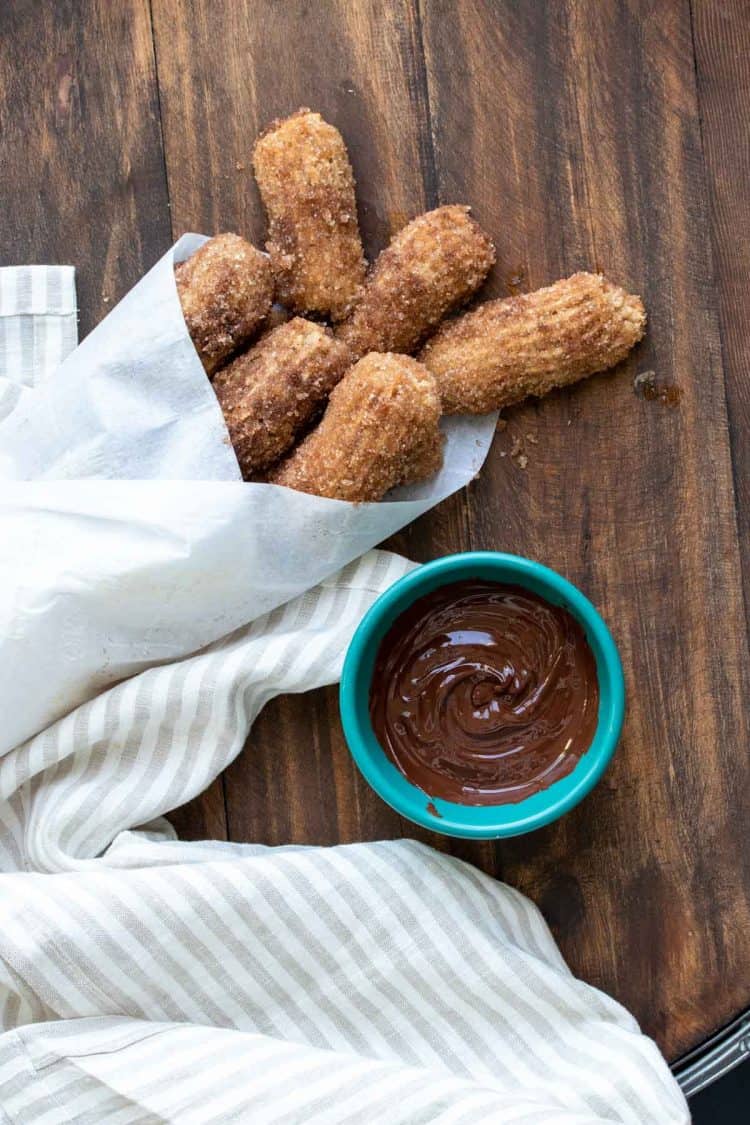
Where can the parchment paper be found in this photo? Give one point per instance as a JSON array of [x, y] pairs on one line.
[[137, 541]]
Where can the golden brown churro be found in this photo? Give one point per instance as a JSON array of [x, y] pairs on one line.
[[508, 349], [431, 266], [225, 289], [270, 393], [380, 430], [307, 185]]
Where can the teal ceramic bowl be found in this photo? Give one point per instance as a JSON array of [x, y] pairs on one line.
[[486, 821]]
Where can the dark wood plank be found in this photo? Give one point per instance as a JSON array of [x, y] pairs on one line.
[[721, 33], [205, 817], [574, 129], [83, 177], [360, 65], [353, 62]]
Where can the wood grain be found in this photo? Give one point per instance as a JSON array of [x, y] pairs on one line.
[[721, 33], [574, 131], [83, 177], [585, 134], [579, 139], [205, 817], [355, 62]]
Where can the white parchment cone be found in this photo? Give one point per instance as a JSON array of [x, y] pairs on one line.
[[133, 538]]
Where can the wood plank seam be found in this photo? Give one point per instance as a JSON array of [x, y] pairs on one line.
[[159, 111], [428, 150], [725, 363], [434, 198]]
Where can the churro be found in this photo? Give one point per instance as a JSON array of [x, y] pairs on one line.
[[225, 290], [527, 345], [380, 430], [307, 186], [431, 267], [272, 392]]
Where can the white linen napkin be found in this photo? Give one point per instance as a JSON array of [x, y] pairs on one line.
[[147, 980]]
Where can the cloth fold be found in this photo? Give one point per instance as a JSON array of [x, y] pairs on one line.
[[367, 983], [155, 740], [148, 980]]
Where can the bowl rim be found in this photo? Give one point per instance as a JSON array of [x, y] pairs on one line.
[[461, 820]]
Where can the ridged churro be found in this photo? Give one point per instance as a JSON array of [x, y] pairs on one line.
[[272, 392], [431, 267], [527, 345], [225, 289], [307, 186], [380, 429]]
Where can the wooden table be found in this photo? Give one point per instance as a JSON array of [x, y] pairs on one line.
[[593, 134]]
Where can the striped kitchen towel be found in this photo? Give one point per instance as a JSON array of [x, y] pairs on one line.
[[147, 980], [38, 327]]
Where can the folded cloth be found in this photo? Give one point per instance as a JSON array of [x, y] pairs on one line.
[[38, 327], [157, 739], [145, 980], [370, 982]]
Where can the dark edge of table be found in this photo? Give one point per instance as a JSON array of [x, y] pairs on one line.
[[709, 1062]]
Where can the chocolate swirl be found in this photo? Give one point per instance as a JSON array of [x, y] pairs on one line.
[[484, 693]]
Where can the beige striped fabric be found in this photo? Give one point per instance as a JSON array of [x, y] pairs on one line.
[[147, 980], [372, 982], [156, 740], [38, 327]]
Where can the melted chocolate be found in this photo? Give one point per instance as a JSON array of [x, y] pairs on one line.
[[484, 693]]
